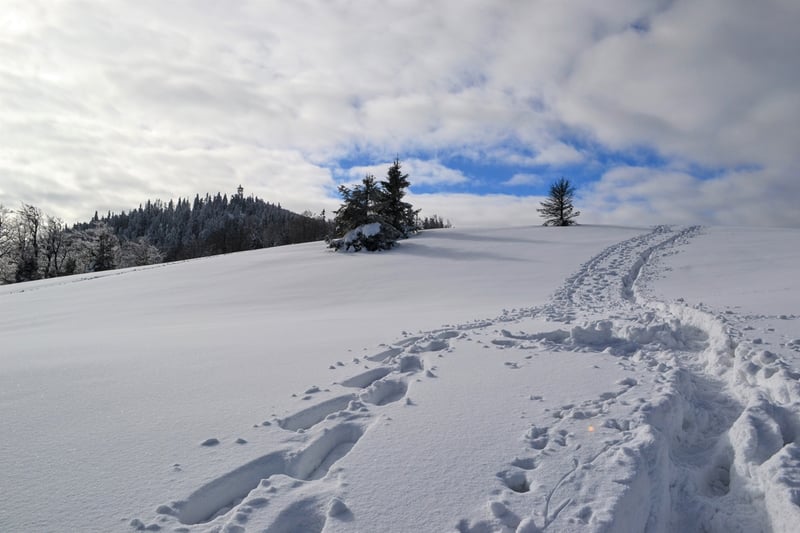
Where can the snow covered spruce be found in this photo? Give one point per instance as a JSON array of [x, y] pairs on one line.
[[374, 215]]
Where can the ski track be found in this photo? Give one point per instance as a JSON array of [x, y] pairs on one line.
[[709, 442]]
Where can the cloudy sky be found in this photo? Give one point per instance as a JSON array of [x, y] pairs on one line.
[[660, 111]]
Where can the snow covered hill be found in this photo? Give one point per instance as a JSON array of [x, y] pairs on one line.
[[517, 379]]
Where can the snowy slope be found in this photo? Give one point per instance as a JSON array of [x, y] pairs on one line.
[[513, 379]]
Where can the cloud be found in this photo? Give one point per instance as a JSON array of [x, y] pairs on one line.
[[715, 82], [524, 179], [640, 195], [558, 154], [421, 172], [109, 103]]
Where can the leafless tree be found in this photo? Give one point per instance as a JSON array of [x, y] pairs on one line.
[[5, 238], [58, 245], [28, 228], [6, 248]]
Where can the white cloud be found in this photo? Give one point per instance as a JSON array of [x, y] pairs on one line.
[[420, 172], [524, 179], [558, 154], [714, 81], [108, 103]]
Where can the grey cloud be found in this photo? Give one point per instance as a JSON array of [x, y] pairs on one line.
[[125, 100], [653, 196], [695, 83]]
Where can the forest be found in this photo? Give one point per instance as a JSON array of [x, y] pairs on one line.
[[35, 245]]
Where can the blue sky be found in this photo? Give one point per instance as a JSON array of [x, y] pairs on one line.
[[661, 111]]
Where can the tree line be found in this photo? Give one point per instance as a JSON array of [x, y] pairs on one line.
[[34, 245], [434, 222]]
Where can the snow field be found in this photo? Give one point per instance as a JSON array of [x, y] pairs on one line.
[[608, 406], [109, 383]]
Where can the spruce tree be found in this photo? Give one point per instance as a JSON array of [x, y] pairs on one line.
[[557, 210], [104, 249], [359, 207], [363, 205], [394, 210], [371, 198]]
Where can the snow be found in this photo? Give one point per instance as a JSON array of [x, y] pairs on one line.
[[513, 379], [352, 237]]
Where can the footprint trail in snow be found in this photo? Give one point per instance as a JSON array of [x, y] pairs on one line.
[[714, 449], [676, 447]]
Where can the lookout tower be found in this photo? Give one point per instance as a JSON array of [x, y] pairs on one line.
[[240, 191]]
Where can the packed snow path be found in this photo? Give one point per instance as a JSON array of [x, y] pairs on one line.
[[700, 436]]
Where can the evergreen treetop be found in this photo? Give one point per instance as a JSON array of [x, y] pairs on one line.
[[396, 212], [557, 209], [360, 205]]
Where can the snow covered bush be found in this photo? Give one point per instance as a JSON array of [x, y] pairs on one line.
[[371, 237]]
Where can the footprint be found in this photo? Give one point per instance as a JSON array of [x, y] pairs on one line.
[[365, 379], [718, 476], [515, 480], [435, 345], [306, 515], [584, 514], [386, 354], [584, 414], [619, 425], [410, 363], [504, 343], [408, 341], [525, 463], [316, 413], [385, 392], [537, 437], [228, 490], [316, 459]]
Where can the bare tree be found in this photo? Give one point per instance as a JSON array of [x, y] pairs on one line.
[[57, 247], [5, 235], [6, 246], [138, 253], [28, 227]]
